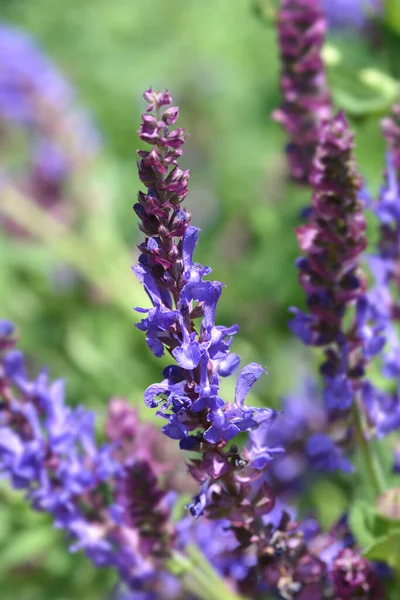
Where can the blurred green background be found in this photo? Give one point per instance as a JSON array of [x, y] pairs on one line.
[[71, 297]]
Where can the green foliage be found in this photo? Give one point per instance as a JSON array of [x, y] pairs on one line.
[[330, 502], [386, 548], [378, 535]]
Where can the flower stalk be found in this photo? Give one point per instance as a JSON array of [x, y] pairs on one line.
[[372, 466]]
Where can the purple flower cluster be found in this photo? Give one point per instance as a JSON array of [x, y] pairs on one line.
[[384, 297], [330, 272], [36, 99], [112, 509], [309, 438], [306, 99], [333, 242], [300, 562], [353, 577]]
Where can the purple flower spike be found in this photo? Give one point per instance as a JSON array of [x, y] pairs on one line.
[[182, 321], [385, 296], [329, 271], [306, 100]]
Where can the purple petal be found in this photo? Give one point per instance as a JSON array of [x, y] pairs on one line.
[[14, 366], [152, 392], [229, 365], [188, 245], [175, 429], [247, 378]]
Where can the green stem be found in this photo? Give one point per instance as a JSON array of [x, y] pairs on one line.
[[109, 274], [199, 577], [216, 581], [371, 462]]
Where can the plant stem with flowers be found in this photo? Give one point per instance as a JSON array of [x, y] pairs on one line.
[[330, 273]]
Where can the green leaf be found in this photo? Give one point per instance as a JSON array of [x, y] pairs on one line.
[[391, 14], [26, 545], [386, 548], [359, 84], [328, 511], [362, 522], [363, 92]]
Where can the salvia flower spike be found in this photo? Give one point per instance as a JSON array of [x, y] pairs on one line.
[[330, 274], [306, 99], [231, 485]]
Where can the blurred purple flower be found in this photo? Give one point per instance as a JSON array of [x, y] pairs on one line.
[[329, 271], [350, 14], [109, 502], [354, 577], [35, 99], [306, 99]]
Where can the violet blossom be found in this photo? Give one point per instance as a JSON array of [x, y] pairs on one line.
[[384, 298], [306, 99], [37, 101], [113, 510], [350, 14]]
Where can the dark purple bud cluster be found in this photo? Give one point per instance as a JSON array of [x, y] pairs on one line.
[[306, 99], [330, 271], [353, 577], [162, 219], [300, 562], [291, 567], [145, 508]]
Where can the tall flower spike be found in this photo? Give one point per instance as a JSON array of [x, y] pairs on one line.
[[330, 274], [232, 486], [332, 243], [306, 100]]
